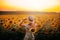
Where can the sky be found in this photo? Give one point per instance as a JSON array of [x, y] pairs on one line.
[[30, 5]]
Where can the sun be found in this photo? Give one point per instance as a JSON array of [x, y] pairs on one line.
[[30, 5]]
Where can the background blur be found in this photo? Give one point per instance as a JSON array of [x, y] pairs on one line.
[[30, 5]]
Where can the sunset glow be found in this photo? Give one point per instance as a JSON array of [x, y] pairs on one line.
[[29, 5]]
